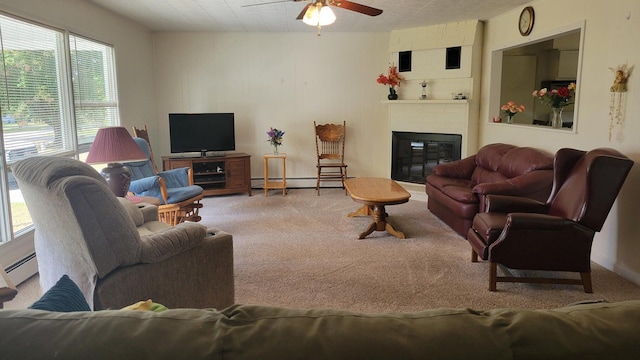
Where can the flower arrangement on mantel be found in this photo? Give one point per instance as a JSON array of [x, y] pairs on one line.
[[392, 80], [510, 109], [275, 138]]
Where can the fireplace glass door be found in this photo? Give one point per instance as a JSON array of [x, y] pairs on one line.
[[414, 155]]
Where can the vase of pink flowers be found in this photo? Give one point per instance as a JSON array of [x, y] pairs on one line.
[[557, 99], [510, 109]]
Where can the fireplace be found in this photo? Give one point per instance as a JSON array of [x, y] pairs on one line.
[[413, 155]]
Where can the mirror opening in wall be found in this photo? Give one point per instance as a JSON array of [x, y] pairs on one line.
[[551, 63]]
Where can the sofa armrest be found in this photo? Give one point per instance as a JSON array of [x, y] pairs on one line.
[[537, 221], [201, 277], [461, 169], [511, 204], [528, 183], [172, 241], [149, 212], [133, 210]]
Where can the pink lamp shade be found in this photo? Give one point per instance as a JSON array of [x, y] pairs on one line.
[[114, 145]]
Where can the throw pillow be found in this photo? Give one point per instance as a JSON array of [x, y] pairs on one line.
[[64, 296]]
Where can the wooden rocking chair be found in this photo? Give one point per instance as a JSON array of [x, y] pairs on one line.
[[179, 197]]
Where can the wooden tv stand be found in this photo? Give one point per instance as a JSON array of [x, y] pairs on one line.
[[218, 175]]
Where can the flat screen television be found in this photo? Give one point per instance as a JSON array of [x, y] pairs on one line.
[[202, 133]]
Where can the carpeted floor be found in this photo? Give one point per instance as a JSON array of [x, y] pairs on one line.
[[302, 251]]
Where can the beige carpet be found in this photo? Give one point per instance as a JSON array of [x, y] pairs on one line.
[[302, 251]]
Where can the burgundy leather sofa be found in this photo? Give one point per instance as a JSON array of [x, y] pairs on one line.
[[456, 191]]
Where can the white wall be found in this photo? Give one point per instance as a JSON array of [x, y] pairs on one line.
[[281, 80], [610, 39], [132, 43]]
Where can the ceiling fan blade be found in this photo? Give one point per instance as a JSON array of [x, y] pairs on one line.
[[270, 2], [303, 12], [363, 9]]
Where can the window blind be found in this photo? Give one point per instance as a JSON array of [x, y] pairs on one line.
[[35, 108], [94, 90], [56, 90]]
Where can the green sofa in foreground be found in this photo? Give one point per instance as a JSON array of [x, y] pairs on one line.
[[584, 331]]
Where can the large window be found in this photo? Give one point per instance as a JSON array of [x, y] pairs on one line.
[[94, 89], [56, 90]]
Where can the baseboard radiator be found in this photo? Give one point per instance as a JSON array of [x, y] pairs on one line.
[[296, 183], [417, 192], [23, 269]]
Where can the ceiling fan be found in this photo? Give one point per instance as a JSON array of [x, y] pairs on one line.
[[318, 13]]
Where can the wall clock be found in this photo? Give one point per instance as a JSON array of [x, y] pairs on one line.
[[525, 24]]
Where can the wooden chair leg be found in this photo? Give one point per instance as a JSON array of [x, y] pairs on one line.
[[586, 282], [474, 256], [493, 275], [318, 182], [343, 177]]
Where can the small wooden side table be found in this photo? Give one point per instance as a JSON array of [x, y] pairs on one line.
[[268, 184]]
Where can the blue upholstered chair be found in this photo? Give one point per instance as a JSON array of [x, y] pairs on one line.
[[179, 197]]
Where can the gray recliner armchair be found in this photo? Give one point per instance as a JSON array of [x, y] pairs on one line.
[[116, 251]]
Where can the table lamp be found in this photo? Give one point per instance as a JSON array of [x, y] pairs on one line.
[[113, 146]]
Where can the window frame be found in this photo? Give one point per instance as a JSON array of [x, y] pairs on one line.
[[15, 247]]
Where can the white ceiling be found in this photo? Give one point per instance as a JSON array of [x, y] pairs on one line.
[[231, 16]]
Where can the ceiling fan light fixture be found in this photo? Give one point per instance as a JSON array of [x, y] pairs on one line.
[[319, 15]]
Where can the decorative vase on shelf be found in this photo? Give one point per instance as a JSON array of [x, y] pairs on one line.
[[393, 95], [275, 149], [556, 117], [510, 118]]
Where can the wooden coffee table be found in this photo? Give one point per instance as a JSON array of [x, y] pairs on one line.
[[375, 194]]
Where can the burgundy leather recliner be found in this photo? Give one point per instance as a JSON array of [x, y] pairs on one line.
[[457, 190], [557, 235]]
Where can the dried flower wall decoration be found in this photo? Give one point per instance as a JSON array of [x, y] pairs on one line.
[[618, 96]]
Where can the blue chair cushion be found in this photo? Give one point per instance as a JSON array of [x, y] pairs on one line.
[[151, 183], [141, 169], [147, 187], [183, 193], [176, 177]]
